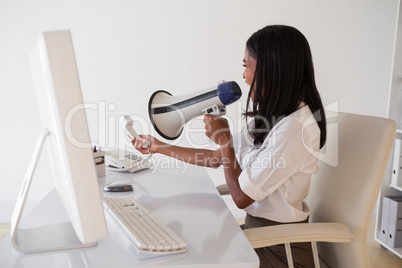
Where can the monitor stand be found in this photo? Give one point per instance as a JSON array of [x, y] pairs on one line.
[[45, 238]]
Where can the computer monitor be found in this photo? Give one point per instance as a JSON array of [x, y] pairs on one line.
[[65, 134]]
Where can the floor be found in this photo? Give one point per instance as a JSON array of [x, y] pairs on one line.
[[379, 257]]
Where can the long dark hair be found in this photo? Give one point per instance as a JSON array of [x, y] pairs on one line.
[[284, 77]]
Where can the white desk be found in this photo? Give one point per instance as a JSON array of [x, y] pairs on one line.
[[185, 200]]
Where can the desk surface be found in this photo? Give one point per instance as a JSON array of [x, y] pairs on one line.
[[182, 197]]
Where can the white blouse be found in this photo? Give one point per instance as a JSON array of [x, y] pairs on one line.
[[277, 174]]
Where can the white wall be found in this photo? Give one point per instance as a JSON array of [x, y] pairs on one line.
[[127, 49]]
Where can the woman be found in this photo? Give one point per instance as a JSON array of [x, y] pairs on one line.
[[269, 166]]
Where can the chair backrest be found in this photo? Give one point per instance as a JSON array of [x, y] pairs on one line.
[[347, 191]]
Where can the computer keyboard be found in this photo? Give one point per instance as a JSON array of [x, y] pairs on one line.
[[150, 237]]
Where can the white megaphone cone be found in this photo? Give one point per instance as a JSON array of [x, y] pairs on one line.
[[169, 114]]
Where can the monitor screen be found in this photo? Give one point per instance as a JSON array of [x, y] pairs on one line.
[[60, 102]]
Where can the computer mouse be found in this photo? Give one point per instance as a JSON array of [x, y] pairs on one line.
[[118, 186]]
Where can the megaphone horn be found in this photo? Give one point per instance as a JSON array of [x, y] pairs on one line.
[[169, 114]]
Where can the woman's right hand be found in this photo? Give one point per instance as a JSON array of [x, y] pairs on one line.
[[153, 148]]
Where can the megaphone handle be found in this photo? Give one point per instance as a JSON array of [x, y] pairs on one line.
[[215, 110]]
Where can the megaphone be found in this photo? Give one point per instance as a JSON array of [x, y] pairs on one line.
[[169, 114]]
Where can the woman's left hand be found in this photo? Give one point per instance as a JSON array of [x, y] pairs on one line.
[[217, 129]]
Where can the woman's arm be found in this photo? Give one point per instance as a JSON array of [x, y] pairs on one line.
[[217, 129], [200, 157]]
